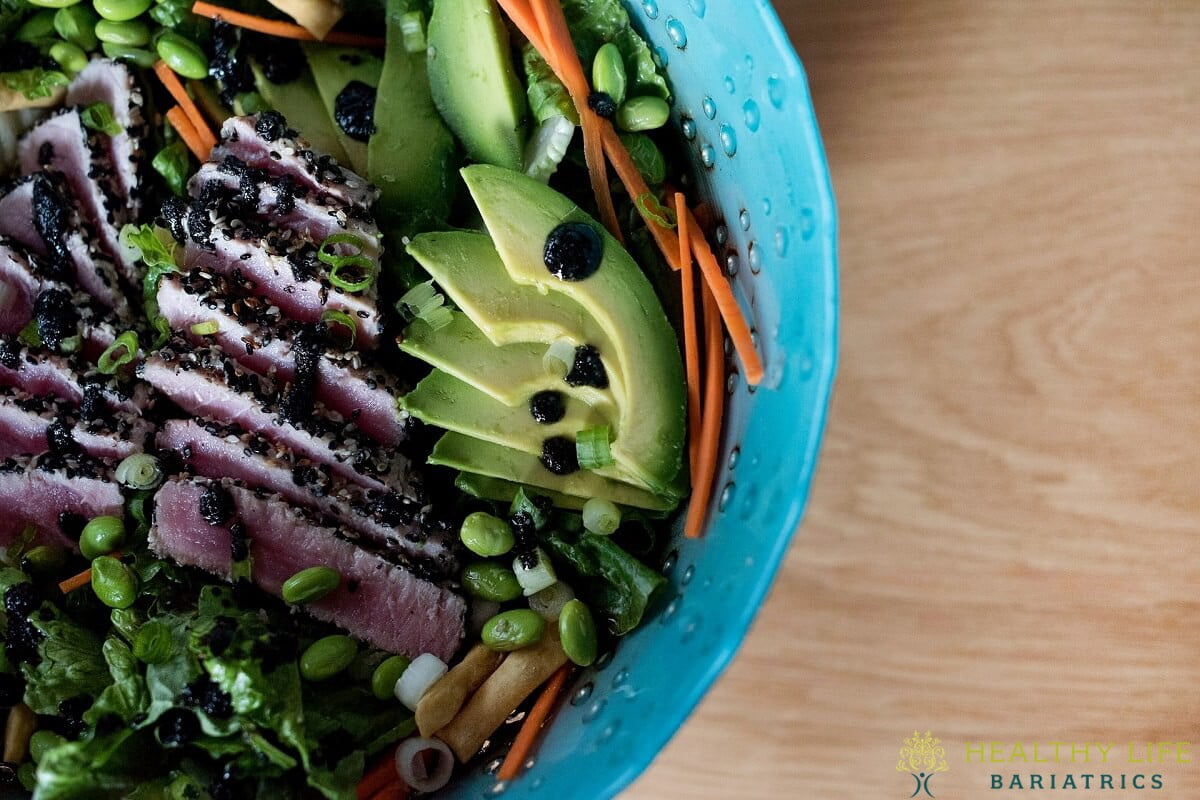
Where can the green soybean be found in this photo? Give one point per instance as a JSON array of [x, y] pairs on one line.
[[154, 643], [77, 25], [577, 630], [52, 3], [512, 630], [644, 113], [101, 536], [608, 72], [71, 58], [310, 585], [44, 560], [486, 535], [182, 55], [134, 55], [326, 657], [113, 582], [121, 10], [133, 33], [39, 26], [43, 741], [489, 581], [383, 680]]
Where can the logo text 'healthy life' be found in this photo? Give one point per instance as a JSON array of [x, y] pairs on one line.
[[1089, 765]]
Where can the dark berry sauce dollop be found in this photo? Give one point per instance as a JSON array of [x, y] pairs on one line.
[[558, 455], [573, 251], [548, 407], [588, 369]]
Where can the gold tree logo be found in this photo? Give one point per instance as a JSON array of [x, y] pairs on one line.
[[922, 756]]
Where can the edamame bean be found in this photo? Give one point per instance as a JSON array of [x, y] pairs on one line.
[[77, 25], [101, 536], [326, 657], [154, 643], [486, 535], [121, 10], [39, 26], [52, 3], [310, 585], [383, 680], [134, 55], [644, 113], [71, 58], [44, 560], [577, 630], [512, 630], [489, 581], [608, 73], [133, 33], [43, 741], [113, 582], [182, 56]]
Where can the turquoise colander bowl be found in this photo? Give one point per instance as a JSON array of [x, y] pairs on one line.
[[742, 107]]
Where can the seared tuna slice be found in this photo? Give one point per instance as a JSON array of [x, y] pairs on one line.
[[27, 426], [264, 141], [106, 81], [255, 332], [69, 378], [39, 213], [378, 601], [24, 275], [61, 142], [206, 382], [390, 522], [283, 204], [55, 494]]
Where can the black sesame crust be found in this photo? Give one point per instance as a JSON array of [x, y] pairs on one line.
[[56, 317], [51, 219]]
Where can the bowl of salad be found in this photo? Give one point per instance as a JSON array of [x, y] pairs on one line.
[[397, 397]]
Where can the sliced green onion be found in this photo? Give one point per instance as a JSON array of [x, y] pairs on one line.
[[349, 285], [337, 262], [523, 501], [648, 204], [549, 602], [332, 317], [538, 577], [30, 335], [139, 471], [601, 516], [71, 344], [119, 353], [439, 318], [412, 31], [592, 447], [99, 117], [414, 299], [206, 328], [559, 358]]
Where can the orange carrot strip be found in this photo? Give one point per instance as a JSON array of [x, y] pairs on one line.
[[564, 60], [522, 16], [635, 184], [523, 744], [691, 345], [75, 581], [284, 30], [392, 791], [187, 131], [735, 321], [714, 411], [379, 776], [199, 123]]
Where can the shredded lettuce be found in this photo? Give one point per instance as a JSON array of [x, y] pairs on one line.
[[619, 586]]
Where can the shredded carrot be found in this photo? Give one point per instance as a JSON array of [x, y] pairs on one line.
[[523, 744], [636, 186], [691, 346], [75, 581], [735, 321], [283, 30], [714, 411], [379, 776], [521, 15], [396, 790], [194, 115], [187, 131]]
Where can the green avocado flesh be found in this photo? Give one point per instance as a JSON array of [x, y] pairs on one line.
[[301, 106], [511, 374], [484, 458], [488, 488], [333, 68], [520, 213], [473, 82]]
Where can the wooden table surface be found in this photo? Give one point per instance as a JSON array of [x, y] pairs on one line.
[[1002, 540]]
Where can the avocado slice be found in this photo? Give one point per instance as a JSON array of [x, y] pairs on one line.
[[520, 213], [511, 374], [413, 163], [300, 104], [466, 265], [493, 460], [488, 488], [334, 68], [474, 83], [446, 402]]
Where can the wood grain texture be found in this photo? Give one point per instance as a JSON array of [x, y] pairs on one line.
[[1002, 538]]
